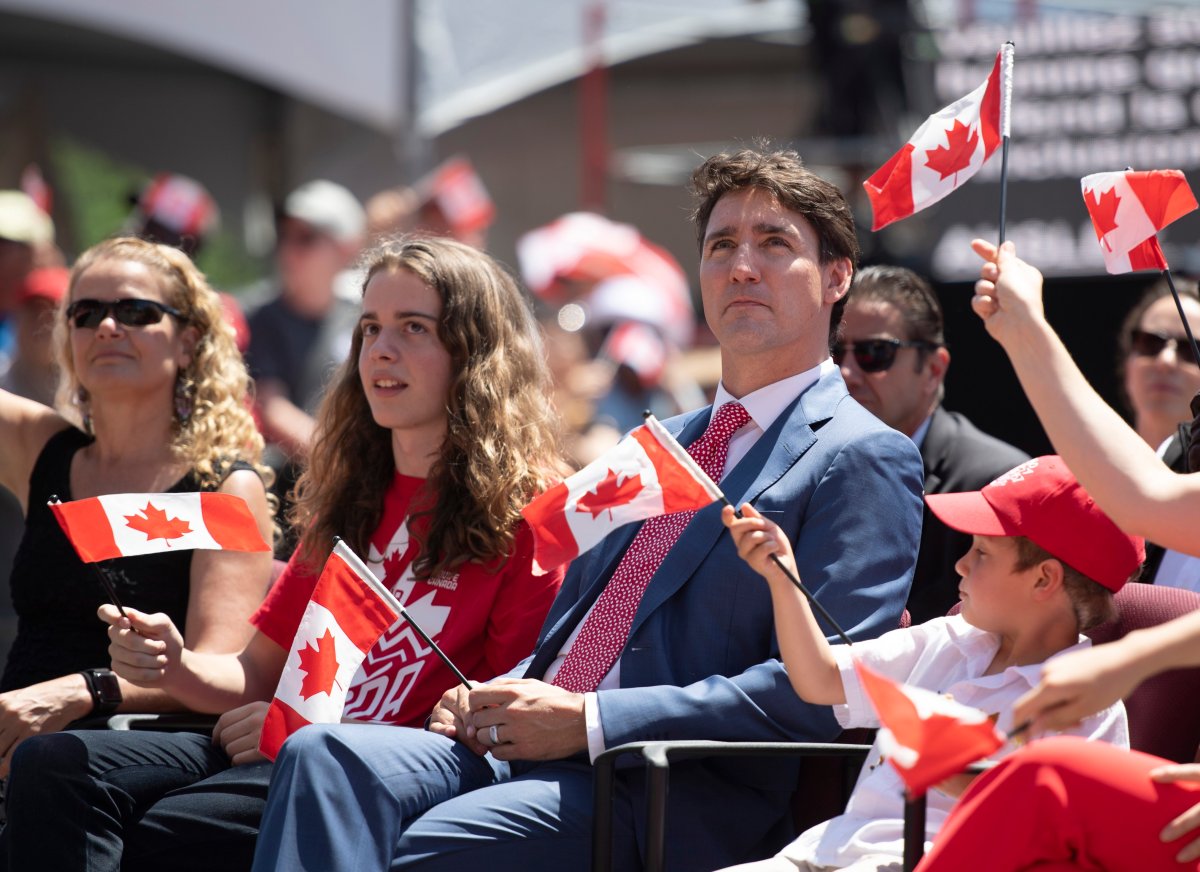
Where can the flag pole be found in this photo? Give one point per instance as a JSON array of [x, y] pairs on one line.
[[101, 574], [1187, 328], [671, 444], [368, 577], [1006, 82]]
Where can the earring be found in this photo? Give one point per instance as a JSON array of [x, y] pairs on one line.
[[184, 390], [82, 401]]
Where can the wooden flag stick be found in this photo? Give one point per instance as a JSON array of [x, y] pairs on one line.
[[1006, 82]]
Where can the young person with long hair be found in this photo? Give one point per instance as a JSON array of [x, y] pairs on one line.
[[151, 399], [431, 437]]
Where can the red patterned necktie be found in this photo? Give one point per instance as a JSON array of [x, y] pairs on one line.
[[606, 628]]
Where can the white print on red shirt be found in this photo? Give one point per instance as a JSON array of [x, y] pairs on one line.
[[393, 665]]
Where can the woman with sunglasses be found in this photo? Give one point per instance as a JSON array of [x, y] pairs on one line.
[[1159, 376], [152, 395], [431, 437]]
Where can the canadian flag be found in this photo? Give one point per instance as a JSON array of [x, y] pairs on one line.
[[646, 474], [926, 736], [1127, 210], [125, 525], [945, 152], [347, 613], [639, 347], [460, 194]]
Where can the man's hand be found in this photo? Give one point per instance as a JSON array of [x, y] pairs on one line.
[[1187, 822], [533, 720], [239, 731], [450, 716]]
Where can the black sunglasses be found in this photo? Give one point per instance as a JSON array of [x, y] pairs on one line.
[[131, 312], [875, 355], [1146, 344]]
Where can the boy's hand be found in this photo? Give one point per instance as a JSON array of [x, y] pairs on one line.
[[757, 539]]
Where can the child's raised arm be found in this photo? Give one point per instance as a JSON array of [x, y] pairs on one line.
[[811, 667]]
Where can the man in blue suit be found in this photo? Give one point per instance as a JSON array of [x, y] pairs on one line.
[[502, 778]]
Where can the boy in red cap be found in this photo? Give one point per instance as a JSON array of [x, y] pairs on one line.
[[1043, 566]]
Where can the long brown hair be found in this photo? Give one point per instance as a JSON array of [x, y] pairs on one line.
[[501, 444]]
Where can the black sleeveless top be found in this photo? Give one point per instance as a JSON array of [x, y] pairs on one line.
[[56, 594]]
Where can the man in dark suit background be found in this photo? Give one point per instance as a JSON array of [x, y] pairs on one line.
[[503, 777], [892, 351]]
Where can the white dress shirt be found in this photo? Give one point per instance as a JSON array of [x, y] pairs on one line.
[[945, 655]]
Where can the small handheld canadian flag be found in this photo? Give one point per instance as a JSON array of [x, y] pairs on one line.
[[646, 474], [946, 151], [926, 736], [1129, 208], [347, 613], [125, 525]]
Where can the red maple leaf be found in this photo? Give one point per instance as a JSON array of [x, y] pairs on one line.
[[319, 665], [391, 566], [1104, 214], [156, 525], [950, 159], [609, 493]]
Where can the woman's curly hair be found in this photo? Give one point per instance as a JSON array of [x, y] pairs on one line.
[[220, 429], [502, 439]]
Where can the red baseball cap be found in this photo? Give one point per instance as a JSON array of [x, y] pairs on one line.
[[46, 283], [1041, 500]]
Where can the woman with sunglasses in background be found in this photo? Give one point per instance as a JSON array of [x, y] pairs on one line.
[[1158, 378], [152, 399]]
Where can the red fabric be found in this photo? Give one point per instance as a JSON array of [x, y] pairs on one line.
[[606, 628], [484, 621], [1065, 801], [926, 736]]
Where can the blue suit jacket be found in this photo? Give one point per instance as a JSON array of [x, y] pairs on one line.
[[702, 661]]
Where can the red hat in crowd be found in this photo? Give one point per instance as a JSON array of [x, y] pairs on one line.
[[1041, 500], [48, 283]]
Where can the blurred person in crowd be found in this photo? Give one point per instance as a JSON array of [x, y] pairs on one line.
[[451, 201], [434, 433], [33, 372], [178, 211], [1159, 375], [300, 335], [151, 401], [26, 242], [893, 355]]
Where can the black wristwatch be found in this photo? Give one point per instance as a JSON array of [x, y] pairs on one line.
[[105, 690]]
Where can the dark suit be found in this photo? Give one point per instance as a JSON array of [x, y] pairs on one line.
[[958, 456], [701, 661]]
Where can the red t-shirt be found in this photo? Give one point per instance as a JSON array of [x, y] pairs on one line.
[[485, 622]]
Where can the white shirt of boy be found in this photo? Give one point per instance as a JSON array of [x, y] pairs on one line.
[[946, 655]]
